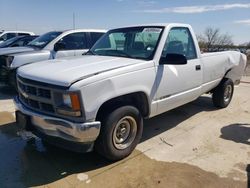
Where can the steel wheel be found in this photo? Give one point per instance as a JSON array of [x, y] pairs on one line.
[[223, 93], [228, 93], [124, 132], [120, 133]]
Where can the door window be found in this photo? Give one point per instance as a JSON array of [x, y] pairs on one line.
[[74, 41], [94, 37], [10, 35], [180, 41], [23, 34]]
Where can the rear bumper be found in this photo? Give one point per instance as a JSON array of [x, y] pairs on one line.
[[52, 128]]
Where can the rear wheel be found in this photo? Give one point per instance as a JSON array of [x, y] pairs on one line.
[[223, 93], [120, 133]]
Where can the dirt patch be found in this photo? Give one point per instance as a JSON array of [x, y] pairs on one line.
[[145, 172], [6, 117]]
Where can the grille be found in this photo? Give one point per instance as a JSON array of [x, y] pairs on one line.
[[35, 96], [34, 90]]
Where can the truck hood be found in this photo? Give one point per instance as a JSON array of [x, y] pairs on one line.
[[66, 71], [15, 50]]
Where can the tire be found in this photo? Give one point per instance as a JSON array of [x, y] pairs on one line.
[[48, 145], [120, 133], [223, 93]]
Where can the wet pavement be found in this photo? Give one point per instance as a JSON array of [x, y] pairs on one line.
[[195, 145]]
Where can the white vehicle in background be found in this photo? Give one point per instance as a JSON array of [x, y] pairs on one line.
[[51, 45], [6, 35], [98, 101]]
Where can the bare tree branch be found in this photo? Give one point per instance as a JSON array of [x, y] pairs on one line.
[[213, 40]]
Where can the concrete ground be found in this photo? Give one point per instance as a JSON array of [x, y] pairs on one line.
[[195, 145]]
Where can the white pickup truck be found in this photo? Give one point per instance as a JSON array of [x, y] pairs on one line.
[[99, 101]]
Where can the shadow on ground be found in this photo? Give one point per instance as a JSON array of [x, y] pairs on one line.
[[32, 164], [27, 164], [171, 119], [238, 132], [7, 92], [248, 175]]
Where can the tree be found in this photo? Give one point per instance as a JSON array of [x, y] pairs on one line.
[[213, 40], [248, 45]]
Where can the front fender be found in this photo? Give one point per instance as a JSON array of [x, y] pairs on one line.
[[97, 93]]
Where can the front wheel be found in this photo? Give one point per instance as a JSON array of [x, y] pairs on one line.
[[120, 133], [223, 93]]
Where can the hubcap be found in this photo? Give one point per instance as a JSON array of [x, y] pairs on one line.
[[228, 93], [124, 132]]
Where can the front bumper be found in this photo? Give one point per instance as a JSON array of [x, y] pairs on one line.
[[59, 128]]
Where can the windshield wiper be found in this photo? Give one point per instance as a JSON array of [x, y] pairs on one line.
[[119, 53], [90, 52]]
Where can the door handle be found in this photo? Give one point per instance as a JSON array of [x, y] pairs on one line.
[[197, 67]]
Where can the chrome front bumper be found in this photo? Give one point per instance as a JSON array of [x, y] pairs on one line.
[[56, 127]]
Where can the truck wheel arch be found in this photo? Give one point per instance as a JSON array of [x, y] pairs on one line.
[[137, 99], [227, 72]]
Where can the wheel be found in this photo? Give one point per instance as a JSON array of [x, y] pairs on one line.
[[120, 132], [48, 145], [223, 93]]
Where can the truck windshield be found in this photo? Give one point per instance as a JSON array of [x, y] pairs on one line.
[[132, 42], [10, 41], [44, 39]]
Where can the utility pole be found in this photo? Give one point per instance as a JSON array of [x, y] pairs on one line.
[[74, 24]]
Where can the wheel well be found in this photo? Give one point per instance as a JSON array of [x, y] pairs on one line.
[[138, 100], [227, 72], [222, 80]]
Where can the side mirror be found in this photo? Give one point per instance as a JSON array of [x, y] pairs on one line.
[[173, 59], [59, 46]]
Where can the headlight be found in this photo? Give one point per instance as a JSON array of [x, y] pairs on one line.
[[66, 100], [70, 105], [8, 60]]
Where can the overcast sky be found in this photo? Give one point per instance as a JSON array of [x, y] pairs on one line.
[[231, 16]]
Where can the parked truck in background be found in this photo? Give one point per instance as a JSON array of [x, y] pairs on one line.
[[6, 35], [51, 45], [98, 101], [18, 41]]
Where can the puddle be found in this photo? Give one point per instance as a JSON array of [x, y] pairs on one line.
[[144, 172]]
